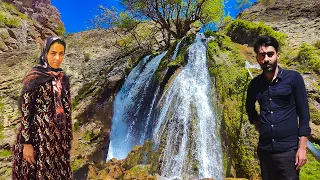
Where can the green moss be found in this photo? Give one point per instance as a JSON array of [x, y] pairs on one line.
[[137, 172], [196, 24], [84, 92], [8, 20], [179, 61], [251, 30], [76, 126], [61, 30], [226, 65], [314, 114], [5, 153], [88, 135], [77, 164], [310, 171]]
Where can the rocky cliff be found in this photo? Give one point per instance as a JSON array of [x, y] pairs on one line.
[[25, 22], [97, 70], [300, 20]]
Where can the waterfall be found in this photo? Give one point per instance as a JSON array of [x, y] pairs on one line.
[[131, 107], [186, 125], [176, 50], [248, 66]]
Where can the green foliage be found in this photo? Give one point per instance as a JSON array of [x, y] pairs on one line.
[[227, 66], [171, 17], [212, 11], [314, 114], [251, 30], [5, 153], [76, 126], [61, 30], [84, 92], [309, 57], [310, 171], [10, 15], [179, 61], [209, 33], [9, 20], [125, 21], [196, 24], [77, 164]]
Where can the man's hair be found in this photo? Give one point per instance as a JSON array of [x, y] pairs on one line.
[[265, 41]]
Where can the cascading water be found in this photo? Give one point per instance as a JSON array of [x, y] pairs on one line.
[[186, 126], [130, 123], [176, 51]]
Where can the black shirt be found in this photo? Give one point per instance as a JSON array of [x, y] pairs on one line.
[[281, 101]]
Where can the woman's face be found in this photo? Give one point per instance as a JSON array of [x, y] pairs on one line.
[[55, 55]]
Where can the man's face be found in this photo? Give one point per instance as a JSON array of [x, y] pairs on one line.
[[267, 57]]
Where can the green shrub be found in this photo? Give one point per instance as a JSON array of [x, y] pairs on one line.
[[314, 114], [76, 126], [5, 153], [9, 20], [309, 57], [84, 92], [77, 164], [61, 30], [246, 32]]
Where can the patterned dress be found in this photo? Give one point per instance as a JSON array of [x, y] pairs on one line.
[[51, 140]]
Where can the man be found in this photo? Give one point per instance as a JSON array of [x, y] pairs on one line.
[[282, 97]]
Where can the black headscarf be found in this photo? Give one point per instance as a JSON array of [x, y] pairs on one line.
[[43, 72]]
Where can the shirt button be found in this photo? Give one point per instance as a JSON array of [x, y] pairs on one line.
[[270, 99]]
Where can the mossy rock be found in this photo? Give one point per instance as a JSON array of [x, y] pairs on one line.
[[138, 172]]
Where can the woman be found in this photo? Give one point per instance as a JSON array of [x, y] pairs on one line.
[[42, 150]]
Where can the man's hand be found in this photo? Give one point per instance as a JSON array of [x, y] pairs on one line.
[[301, 156], [28, 153]]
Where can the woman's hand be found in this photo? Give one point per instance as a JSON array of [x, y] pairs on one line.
[[28, 153]]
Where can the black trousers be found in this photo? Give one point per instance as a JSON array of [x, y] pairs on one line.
[[278, 165]]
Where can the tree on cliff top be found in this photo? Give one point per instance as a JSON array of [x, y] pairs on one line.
[[173, 17]]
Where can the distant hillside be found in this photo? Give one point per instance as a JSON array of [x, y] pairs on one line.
[[299, 19]]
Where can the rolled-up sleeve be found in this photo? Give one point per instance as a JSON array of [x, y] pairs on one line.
[[302, 106], [251, 104]]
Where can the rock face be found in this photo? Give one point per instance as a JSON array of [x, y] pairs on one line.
[[299, 19], [27, 22]]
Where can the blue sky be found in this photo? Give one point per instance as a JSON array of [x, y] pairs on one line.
[[76, 13]]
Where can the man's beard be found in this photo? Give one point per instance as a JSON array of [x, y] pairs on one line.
[[270, 67]]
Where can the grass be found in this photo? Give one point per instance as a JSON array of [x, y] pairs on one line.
[[310, 171], [77, 164], [9, 20], [5, 153]]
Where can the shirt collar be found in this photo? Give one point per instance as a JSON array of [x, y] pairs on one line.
[[279, 75]]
